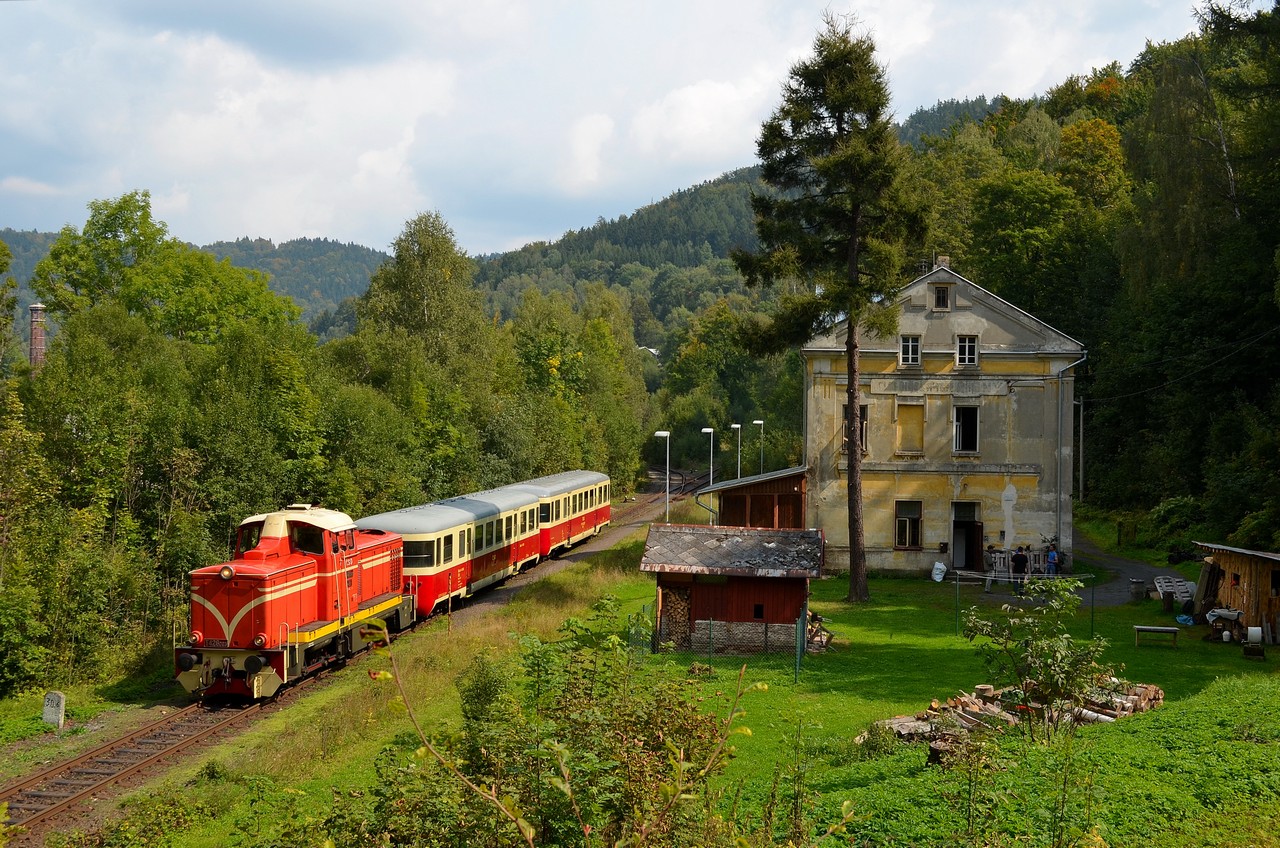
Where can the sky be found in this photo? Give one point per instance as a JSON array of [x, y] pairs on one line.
[[516, 120]]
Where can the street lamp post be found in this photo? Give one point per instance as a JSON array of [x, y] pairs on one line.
[[760, 423], [711, 465], [666, 434], [738, 427]]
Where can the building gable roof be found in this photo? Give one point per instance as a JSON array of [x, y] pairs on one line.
[[737, 551], [972, 307]]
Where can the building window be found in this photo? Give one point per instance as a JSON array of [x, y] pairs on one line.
[[907, 520], [910, 351], [942, 298], [967, 350], [910, 428], [757, 612], [966, 429], [862, 428]]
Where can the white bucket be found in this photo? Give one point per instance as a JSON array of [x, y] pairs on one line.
[[1255, 635]]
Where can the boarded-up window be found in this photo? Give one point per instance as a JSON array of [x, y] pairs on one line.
[[910, 428]]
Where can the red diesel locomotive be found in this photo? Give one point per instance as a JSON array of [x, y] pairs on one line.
[[303, 581]]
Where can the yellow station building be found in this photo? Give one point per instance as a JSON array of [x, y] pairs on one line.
[[967, 430]]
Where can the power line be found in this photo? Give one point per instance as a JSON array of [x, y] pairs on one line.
[[1185, 376]]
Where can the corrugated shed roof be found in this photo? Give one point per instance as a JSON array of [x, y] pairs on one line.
[[727, 485], [744, 551], [1262, 554]]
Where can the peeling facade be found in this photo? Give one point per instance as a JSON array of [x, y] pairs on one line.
[[967, 430]]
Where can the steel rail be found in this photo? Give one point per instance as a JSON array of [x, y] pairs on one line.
[[108, 763]]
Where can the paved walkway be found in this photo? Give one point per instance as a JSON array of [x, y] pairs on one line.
[[1088, 558]]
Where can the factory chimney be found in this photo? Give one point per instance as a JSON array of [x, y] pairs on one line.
[[37, 335]]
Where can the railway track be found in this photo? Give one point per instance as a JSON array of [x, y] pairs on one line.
[[39, 797]]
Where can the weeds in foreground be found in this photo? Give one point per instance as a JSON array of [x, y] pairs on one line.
[[594, 752]]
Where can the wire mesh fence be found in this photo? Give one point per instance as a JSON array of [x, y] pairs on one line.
[[697, 638]]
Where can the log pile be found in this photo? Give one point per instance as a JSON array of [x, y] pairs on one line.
[[985, 707]]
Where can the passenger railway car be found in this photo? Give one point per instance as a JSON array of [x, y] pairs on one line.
[[571, 506], [304, 581], [454, 548]]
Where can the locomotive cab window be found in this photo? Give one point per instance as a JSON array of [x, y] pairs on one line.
[[305, 538], [248, 537]]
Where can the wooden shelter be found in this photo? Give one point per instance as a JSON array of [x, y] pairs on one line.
[[731, 589], [775, 500], [1243, 580]]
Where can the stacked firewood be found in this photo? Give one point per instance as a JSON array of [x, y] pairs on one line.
[[985, 707]]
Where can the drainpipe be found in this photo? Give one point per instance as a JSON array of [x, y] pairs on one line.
[[715, 513], [1058, 473]]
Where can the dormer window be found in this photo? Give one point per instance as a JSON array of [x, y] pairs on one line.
[[942, 298]]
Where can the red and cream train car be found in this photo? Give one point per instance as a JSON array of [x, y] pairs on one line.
[[455, 547], [305, 580]]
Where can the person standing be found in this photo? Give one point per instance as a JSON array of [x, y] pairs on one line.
[[989, 566], [1019, 560], [1051, 561]]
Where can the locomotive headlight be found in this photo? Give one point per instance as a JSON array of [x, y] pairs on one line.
[[226, 572], [197, 638], [260, 640]]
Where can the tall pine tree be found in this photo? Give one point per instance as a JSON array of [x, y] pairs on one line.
[[836, 228]]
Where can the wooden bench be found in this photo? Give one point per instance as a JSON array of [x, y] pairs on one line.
[[1139, 629]]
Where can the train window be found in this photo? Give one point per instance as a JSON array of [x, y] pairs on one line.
[[438, 557], [305, 538], [469, 540], [488, 535], [524, 521], [544, 513], [418, 554], [448, 548], [511, 522], [249, 536]]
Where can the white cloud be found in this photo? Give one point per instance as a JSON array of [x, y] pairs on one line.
[[22, 185], [585, 147], [707, 120]]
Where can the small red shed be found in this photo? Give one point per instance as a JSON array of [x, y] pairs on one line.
[[731, 589], [775, 499]]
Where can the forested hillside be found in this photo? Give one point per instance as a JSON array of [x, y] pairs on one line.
[[318, 274], [1134, 209]]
